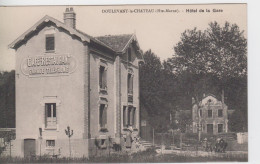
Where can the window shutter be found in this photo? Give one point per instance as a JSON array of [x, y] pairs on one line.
[[48, 110], [100, 76], [128, 83], [134, 121], [100, 115], [105, 79], [54, 110], [125, 116], [132, 83], [129, 116], [45, 115], [105, 115], [132, 116]]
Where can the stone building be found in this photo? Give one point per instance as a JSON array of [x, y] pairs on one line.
[[212, 115], [65, 77]]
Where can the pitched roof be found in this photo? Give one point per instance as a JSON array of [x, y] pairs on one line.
[[46, 19], [95, 40], [209, 94], [117, 42]]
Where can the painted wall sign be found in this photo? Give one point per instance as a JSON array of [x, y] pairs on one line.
[[48, 65]]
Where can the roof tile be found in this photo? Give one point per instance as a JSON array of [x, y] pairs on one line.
[[116, 42]]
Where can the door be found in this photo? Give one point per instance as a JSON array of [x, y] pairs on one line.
[[29, 148], [220, 128]]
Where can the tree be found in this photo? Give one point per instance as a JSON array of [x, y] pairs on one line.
[[7, 99], [221, 51], [156, 87], [69, 133], [206, 61], [227, 50]]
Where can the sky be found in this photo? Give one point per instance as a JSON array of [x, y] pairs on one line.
[[158, 31]]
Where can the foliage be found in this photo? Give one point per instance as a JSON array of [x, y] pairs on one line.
[[206, 61], [183, 121], [7, 99], [69, 133], [220, 51], [210, 61], [135, 158], [156, 91]]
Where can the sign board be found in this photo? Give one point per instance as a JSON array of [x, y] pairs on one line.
[[48, 65]]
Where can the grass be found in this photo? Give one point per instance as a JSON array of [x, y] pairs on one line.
[[148, 156]]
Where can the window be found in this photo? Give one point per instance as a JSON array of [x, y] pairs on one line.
[[102, 77], [133, 117], [103, 143], [125, 116], [220, 128], [50, 143], [102, 116], [130, 83], [209, 113], [129, 53], [49, 43], [210, 128], [129, 118], [200, 112], [199, 127], [50, 115], [220, 113]]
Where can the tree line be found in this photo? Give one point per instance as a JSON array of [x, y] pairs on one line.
[[206, 61], [7, 99]]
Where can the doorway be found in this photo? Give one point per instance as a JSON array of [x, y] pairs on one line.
[[29, 148], [210, 128]]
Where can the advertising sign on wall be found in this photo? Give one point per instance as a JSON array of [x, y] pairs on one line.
[[48, 65]]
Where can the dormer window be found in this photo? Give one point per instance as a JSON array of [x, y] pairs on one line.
[[210, 113], [49, 43]]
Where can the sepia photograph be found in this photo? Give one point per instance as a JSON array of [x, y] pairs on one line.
[[124, 83]]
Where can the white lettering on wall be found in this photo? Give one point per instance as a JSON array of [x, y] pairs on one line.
[[37, 66]]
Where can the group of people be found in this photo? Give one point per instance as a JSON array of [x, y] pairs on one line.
[[127, 141], [218, 146]]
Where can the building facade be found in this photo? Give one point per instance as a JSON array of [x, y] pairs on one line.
[[65, 77], [211, 117]]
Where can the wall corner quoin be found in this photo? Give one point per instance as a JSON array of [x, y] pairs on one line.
[[86, 75]]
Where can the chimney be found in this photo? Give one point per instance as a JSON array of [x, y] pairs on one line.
[[70, 17]]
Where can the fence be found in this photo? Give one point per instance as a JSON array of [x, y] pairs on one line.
[[242, 137]]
